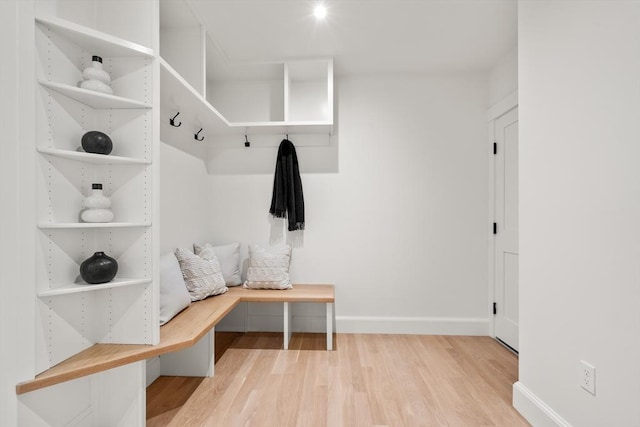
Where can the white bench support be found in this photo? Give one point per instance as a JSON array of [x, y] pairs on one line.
[[329, 326], [195, 361], [288, 314]]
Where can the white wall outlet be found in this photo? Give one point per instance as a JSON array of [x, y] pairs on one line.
[[587, 377]]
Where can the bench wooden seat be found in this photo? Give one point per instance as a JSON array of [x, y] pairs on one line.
[[181, 332]]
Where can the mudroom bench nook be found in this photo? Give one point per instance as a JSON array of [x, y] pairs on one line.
[[184, 334]]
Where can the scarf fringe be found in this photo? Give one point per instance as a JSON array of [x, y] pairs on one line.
[[295, 238], [278, 233]]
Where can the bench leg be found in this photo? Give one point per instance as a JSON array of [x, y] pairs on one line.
[[329, 326], [246, 317], [287, 324]]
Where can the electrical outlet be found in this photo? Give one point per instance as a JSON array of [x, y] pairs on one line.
[[588, 377]]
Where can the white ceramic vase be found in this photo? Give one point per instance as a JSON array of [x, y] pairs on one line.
[[97, 86], [96, 78], [97, 215], [96, 72], [97, 206]]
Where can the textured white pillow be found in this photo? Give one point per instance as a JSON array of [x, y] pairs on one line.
[[174, 296], [202, 277], [228, 257], [268, 268]]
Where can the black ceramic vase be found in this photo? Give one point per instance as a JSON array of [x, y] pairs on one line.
[[96, 142], [98, 268]]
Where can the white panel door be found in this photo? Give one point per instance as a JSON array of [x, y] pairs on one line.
[[506, 237]]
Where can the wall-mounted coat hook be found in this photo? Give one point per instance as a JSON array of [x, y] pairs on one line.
[[286, 135], [246, 141], [197, 134], [172, 121]]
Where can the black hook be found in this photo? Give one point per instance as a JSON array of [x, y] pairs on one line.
[[196, 136], [172, 121], [286, 135], [246, 141]]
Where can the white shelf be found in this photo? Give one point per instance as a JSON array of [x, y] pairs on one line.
[[96, 159], [94, 41], [179, 96], [195, 111], [76, 288], [93, 99], [281, 128], [89, 225]]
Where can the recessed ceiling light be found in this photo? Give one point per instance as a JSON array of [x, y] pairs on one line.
[[320, 11]]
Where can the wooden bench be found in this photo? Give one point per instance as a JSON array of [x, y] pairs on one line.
[[182, 332]]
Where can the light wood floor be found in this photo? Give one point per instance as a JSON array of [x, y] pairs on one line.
[[369, 380]]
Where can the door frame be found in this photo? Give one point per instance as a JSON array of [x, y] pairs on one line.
[[507, 104]]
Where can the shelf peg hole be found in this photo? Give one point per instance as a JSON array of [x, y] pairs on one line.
[[172, 121]]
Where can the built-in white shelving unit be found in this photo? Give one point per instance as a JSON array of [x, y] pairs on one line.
[[304, 89], [71, 315], [156, 54]]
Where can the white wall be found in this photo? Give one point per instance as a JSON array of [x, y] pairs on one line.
[[579, 69], [8, 218], [17, 234], [401, 229], [184, 216], [503, 77]]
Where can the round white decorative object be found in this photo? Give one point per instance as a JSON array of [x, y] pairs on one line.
[[97, 86], [96, 72], [97, 200], [97, 215]]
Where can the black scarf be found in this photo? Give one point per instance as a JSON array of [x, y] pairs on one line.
[[287, 199]]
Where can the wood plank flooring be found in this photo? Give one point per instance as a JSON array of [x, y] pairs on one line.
[[369, 380]]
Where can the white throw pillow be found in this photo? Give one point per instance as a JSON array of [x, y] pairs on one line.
[[202, 277], [174, 296], [228, 257], [268, 268]]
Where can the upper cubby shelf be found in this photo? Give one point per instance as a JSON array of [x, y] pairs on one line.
[[204, 92], [94, 41], [93, 99], [178, 96]]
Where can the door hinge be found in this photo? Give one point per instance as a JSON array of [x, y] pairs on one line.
[[495, 228], [495, 308], [495, 148]]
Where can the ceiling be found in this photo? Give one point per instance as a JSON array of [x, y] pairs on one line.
[[363, 36]]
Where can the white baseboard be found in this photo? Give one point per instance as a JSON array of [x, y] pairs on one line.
[[153, 370], [534, 410], [413, 325], [366, 325]]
